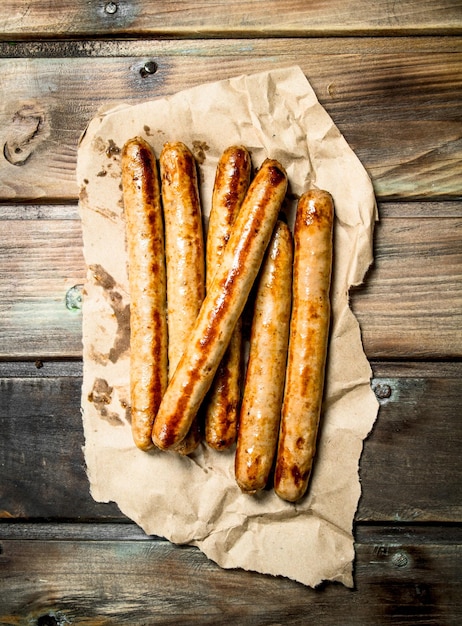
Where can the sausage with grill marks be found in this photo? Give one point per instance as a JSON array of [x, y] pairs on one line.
[[264, 383], [309, 330], [147, 285], [185, 260], [222, 306], [222, 407]]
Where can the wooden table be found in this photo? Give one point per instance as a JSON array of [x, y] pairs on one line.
[[390, 75]]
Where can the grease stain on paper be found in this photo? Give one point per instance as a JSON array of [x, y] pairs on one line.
[[107, 147], [120, 310], [99, 145], [127, 408], [112, 149], [101, 397], [199, 150], [122, 338]]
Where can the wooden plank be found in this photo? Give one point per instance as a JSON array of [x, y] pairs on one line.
[[169, 18], [410, 471], [404, 308], [415, 443], [398, 106], [403, 579], [418, 267], [41, 261], [43, 469]]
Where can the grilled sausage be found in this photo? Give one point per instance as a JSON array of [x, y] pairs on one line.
[[222, 306], [147, 285], [184, 249], [309, 329], [222, 408], [264, 383]]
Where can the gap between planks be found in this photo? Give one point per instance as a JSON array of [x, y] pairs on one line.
[[434, 209], [364, 532], [73, 368], [203, 46]]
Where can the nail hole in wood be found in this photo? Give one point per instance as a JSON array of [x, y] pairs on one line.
[[47, 620], [400, 559], [111, 8], [73, 299], [149, 68], [382, 391]]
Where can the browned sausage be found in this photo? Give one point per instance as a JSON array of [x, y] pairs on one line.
[[147, 285], [184, 249], [222, 306], [231, 183], [264, 383], [309, 330]]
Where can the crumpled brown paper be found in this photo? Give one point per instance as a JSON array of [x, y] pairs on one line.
[[195, 500]]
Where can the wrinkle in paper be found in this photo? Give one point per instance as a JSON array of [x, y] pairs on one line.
[[196, 500]]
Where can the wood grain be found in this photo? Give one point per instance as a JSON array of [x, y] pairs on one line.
[[403, 307], [169, 18], [390, 76], [41, 260], [417, 268], [49, 475], [410, 470], [410, 149], [397, 456], [404, 577]]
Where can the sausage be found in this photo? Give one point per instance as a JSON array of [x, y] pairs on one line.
[[264, 383], [223, 305], [222, 408], [184, 245], [147, 285], [184, 250], [309, 330]]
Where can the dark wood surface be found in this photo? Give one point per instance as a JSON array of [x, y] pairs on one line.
[[390, 75]]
